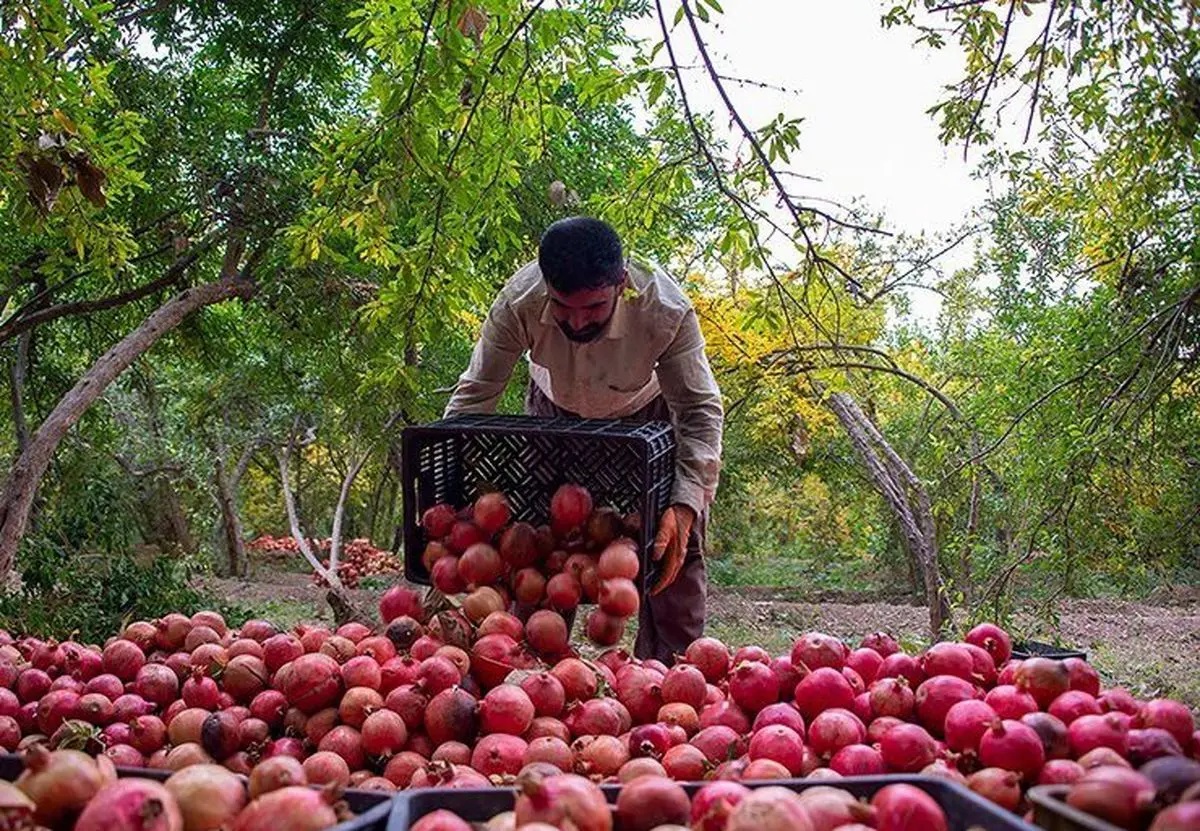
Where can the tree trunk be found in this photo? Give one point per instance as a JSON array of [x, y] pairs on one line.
[[21, 485], [236, 562], [907, 499]]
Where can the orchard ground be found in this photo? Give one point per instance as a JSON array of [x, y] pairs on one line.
[[1150, 647]]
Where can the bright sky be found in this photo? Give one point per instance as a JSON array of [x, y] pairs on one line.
[[862, 91]]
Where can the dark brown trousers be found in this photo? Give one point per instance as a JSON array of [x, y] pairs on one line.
[[672, 620]]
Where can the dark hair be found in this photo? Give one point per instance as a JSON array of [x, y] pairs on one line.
[[580, 253]]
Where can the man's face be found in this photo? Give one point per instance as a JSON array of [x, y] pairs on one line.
[[583, 315]]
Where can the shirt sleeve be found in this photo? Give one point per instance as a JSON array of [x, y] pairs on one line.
[[496, 352], [691, 392]]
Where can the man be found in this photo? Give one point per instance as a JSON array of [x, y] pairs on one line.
[[609, 338]]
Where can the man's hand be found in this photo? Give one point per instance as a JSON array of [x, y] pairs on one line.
[[670, 544]]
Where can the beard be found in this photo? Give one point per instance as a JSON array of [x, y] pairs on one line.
[[587, 334]]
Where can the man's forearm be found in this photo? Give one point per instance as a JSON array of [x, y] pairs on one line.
[[698, 454]]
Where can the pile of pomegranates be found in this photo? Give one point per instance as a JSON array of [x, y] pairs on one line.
[[67, 789], [448, 700], [583, 554], [652, 802]]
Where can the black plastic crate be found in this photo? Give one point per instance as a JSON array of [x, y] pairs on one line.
[[1037, 649], [372, 809], [964, 808], [629, 466], [1052, 813]]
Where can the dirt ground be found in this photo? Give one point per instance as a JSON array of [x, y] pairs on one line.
[[1152, 649]]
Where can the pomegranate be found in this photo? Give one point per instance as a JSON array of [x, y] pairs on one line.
[[1181, 817], [1082, 676], [644, 766], [865, 662], [1044, 679], [570, 507], [562, 801], [603, 629], [816, 650], [650, 801], [600, 755], [1060, 772], [313, 683], [713, 803], [208, 796], [293, 807], [770, 809], [281, 649], [823, 689], [781, 713], [445, 577], [833, 729], [1089, 732], [937, 695], [506, 709], [545, 692], [552, 750], [563, 591], [1052, 732], [906, 748], [719, 743], [1013, 746], [60, 783], [948, 659], [906, 808], [1099, 756], [618, 560], [1118, 700], [346, 742], [1072, 704], [529, 586], [965, 724], [1169, 715], [725, 713], [899, 665], [546, 632], [384, 733], [993, 640], [998, 785], [1114, 794], [789, 676], [123, 659], [1151, 743], [578, 680], [892, 697], [753, 686], [710, 656], [858, 760], [1010, 702], [618, 597], [441, 820], [451, 716], [780, 744], [685, 763], [131, 805], [651, 740], [594, 717]]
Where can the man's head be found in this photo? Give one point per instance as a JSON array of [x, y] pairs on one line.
[[584, 268]]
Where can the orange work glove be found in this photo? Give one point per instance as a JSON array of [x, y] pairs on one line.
[[670, 544]]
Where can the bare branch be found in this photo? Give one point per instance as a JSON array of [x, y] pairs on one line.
[[1012, 7]]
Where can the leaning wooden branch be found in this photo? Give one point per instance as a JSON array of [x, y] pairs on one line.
[[21, 485]]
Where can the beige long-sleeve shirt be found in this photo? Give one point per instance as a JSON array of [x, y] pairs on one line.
[[652, 345]]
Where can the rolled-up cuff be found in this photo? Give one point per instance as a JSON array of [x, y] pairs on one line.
[[690, 494]]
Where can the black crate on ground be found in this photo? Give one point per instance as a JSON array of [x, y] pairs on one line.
[[1037, 649], [964, 808], [1052, 813], [626, 465], [372, 809]]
